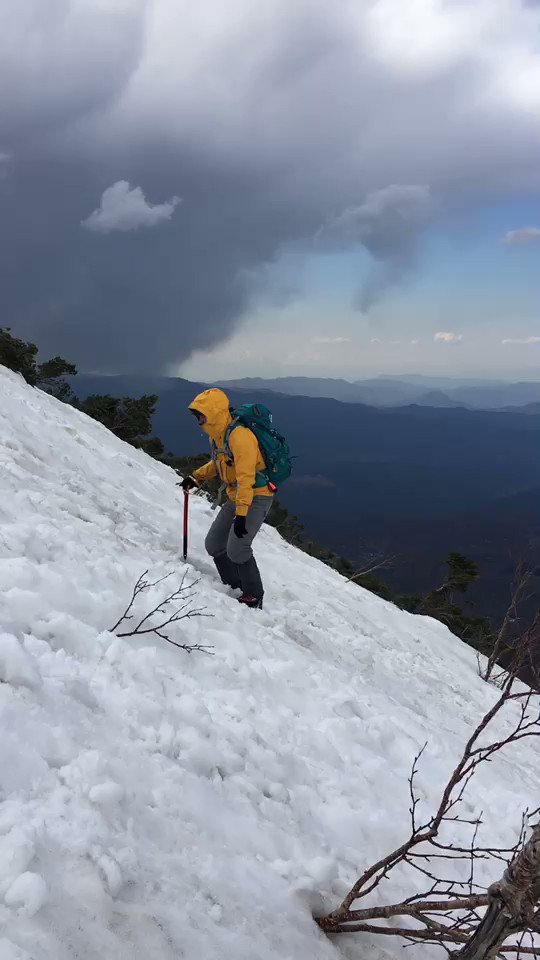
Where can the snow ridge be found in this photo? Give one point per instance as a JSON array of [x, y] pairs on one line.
[[156, 805]]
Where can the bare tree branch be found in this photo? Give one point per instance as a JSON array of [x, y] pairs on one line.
[[500, 645], [167, 616], [449, 912]]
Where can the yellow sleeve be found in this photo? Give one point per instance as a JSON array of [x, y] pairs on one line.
[[207, 472], [245, 450]]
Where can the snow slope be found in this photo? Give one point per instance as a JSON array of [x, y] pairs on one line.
[[159, 805]]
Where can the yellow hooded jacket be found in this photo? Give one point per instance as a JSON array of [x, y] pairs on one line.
[[238, 473]]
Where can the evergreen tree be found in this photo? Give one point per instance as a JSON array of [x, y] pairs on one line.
[[21, 356], [462, 572], [18, 355], [129, 418], [49, 378], [441, 603], [153, 446]]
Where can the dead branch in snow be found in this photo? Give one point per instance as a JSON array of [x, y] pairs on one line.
[[448, 911], [381, 563], [166, 616], [501, 648]]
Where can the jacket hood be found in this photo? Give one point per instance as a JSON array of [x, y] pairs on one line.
[[214, 405]]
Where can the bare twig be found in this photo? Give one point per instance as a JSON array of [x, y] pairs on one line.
[[414, 799], [167, 616], [500, 644], [141, 585]]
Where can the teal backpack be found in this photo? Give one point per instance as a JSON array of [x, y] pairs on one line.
[[274, 448]]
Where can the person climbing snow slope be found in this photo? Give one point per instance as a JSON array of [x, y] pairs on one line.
[[238, 462]]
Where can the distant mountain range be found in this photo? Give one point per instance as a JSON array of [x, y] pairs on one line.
[[416, 481], [530, 408], [387, 391]]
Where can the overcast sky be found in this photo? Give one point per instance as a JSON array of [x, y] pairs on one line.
[[287, 186]]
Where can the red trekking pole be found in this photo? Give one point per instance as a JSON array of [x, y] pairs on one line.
[[186, 507]]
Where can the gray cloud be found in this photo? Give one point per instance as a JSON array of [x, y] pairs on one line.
[[388, 224], [64, 60], [385, 223], [268, 122]]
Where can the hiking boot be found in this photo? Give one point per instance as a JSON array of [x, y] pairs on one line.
[[248, 601]]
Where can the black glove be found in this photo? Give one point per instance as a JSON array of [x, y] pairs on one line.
[[240, 527], [189, 483]]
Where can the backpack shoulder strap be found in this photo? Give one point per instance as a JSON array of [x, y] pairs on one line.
[[228, 431], [214, 450]]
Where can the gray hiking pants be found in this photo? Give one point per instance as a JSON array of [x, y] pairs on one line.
[[233, 555]]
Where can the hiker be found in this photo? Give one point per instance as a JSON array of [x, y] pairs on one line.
[[237, 460]]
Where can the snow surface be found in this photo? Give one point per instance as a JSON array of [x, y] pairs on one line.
[[159, 805]]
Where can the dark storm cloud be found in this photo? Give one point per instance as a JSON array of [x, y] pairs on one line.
[[268, 123], [62, 60], [387, 224]]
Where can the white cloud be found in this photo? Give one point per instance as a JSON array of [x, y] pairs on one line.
[[124, 209], [375, 340], [423, 41], [521, 340], [435, 36], [414, 343], [331, 340], [523, 236], [448, 336]]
